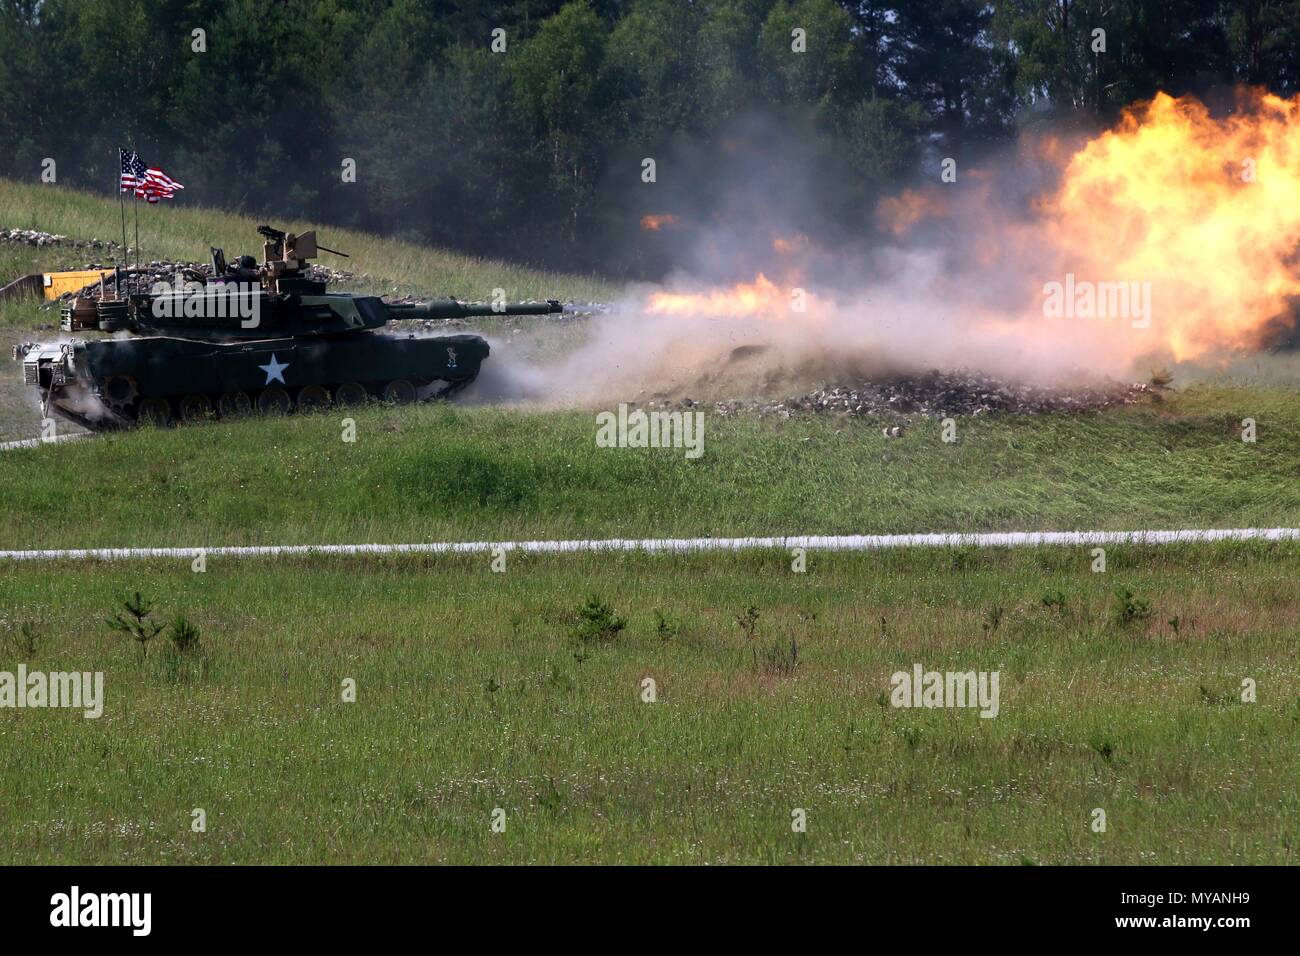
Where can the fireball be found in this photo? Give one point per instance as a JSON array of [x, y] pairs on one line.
[[1196, 214], [1206, 209]]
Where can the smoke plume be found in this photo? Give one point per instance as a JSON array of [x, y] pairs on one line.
[[1171, 237]]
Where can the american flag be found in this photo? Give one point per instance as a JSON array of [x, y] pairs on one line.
[[133, 170], [159, 183], [147, 182]]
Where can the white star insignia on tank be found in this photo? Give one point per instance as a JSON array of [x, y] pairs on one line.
[[275, 370]]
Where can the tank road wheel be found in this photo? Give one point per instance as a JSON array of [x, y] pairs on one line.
[[274, 401], [235, 405], [119, 391], [195, 408], [313, 398], [399, 391], [155, 411], [349, 394]]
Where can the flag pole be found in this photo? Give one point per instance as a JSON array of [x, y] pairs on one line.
[[135, 205], [121, 204]]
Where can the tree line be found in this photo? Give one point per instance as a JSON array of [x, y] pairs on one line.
[[520, 128]]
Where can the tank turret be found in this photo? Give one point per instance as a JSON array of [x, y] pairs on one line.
[[267, 337]]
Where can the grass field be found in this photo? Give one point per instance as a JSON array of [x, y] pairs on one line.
[[472, 694], [473, 473]]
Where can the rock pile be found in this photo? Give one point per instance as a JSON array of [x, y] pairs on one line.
[[940, 394], [34, 237]]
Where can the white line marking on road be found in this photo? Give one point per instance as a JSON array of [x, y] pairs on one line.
[[852, 542]]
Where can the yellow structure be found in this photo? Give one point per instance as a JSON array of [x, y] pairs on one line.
[[56, 283]]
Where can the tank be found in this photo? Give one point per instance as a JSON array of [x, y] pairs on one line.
[[249, 339]]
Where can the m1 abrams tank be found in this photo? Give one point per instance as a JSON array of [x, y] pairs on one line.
[[250, 339]]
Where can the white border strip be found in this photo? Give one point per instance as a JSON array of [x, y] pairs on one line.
[[852, 542], [37, 442]]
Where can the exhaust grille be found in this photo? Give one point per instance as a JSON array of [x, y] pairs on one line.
[[29, 374]]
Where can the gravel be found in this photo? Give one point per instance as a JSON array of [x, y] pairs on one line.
[[938, 394], [34, 237]]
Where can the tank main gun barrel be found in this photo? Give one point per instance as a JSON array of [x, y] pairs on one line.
[[455, 309]]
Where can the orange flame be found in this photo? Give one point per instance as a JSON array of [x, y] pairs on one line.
[[654, 222], [760, 298], [900, 213], [1205, 209]]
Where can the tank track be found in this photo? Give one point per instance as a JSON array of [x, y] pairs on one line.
[[193, 409]]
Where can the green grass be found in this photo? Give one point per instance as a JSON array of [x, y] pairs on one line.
[[179, 230], [471, 695], [472, 473], [474, 695]]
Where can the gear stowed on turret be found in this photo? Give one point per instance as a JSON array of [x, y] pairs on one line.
[[267, 339]]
